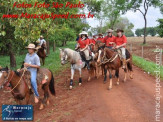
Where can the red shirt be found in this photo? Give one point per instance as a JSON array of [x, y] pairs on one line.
[[120, 40], [108, 39], [83, 43], [100, 39], [92, 41]]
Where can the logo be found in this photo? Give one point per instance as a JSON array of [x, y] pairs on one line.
[[17, 112]]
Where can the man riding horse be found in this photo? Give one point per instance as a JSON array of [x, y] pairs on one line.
[[39, 42]]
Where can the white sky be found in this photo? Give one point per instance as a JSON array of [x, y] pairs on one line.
[[137, 18]]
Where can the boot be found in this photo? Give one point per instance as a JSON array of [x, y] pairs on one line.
[[124, 64], [88, 65]]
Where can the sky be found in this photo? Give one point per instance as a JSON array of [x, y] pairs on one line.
[[137, 18]]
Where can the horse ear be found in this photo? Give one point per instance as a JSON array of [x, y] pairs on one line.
[[7, 67]]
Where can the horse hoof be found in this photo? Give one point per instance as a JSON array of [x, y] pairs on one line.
[[89, 79], [117, 83], [48, 102], [70, 87], [124, 80], [109, 88], [104, 81], [131, 77], [80, 84], [41, 107]]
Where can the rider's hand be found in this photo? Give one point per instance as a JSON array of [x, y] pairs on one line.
[[27, 65], [117, 47]]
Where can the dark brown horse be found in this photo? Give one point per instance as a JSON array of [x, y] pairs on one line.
[[111, 61], [20, 84], [41, 53]]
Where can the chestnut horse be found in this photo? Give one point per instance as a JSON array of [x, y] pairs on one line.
[[20, 84], [41, 53], [111, 60]]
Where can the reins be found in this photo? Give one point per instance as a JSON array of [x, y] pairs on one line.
[[17, 82]]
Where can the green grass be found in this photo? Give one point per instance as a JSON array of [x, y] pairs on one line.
[[52, 62], [147, 65]]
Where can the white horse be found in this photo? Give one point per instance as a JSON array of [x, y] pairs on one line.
[[69, 55]]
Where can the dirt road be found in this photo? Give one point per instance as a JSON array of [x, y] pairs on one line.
[[132, 101]]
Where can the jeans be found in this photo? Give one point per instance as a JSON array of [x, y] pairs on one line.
[[34, 82], [123, 52]]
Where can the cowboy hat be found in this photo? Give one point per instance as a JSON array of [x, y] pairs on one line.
[[100, 34], [119, 30], [31, 46], [109, 31], [84, 33], [41, 36]]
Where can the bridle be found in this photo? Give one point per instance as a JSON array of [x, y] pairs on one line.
[[7, 80], [106, 60]]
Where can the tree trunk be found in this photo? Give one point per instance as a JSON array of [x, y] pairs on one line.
[[54, 47], [48, 47], [145, 27], [12, 57]]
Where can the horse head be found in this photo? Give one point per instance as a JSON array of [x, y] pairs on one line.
[[4, 74], [63, 56]]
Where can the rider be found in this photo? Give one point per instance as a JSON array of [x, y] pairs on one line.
[[32, 63], [100, 37], [92, 42], [40, 41], [83, 43], [109, 39], [120, 41]]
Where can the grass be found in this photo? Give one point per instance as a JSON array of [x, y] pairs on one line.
[[147, 65], [52, 62]]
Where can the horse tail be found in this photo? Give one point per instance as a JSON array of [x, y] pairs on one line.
[[52, 85]]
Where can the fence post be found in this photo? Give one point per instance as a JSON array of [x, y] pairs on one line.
[[161, 57], [142, 52]]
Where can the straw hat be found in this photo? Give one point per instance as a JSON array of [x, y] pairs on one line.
[[109, 31], [31, 46], [119, 30], [84, 33], [41, 36]]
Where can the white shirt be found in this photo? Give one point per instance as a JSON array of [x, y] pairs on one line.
[[41, 41]]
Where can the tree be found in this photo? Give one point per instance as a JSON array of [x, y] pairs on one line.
[[139, 32], [160, 27], [136, 6]]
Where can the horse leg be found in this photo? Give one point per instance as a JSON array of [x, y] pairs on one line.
[[80, 78], [72, 76], [89, 77], [110, 77], [129, 66], [125, 70], [117, 76], [27, 97], [43, 61], [105, 75]]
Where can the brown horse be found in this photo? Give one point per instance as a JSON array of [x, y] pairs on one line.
[[41, 53], [20, 84], [111, 61]]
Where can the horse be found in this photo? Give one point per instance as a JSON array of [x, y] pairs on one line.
[[74, 57], [41, 53], [21, 87], [112, 61]]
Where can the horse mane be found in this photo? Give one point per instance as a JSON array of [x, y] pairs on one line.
[[74, 55], [17, 73]]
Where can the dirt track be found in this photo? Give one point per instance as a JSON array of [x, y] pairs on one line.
[[132, 101]]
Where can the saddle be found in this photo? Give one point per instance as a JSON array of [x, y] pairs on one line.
[[120, 54], [27, 76]]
